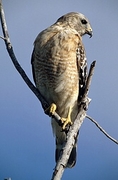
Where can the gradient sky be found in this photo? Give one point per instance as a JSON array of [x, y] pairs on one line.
[[26, 142]]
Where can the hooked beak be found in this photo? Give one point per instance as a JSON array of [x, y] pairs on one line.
[[89, 32]]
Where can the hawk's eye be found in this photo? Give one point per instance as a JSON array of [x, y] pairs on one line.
[[83, 21]]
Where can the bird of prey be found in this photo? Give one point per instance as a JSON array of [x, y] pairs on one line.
[[59, 68]]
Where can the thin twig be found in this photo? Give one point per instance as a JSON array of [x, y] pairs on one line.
[[72, 134], [2, 38], [14, 59], [11, 53], [102, 130]]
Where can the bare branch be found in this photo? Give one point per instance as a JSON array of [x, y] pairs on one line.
[[101, 129], [11, 53], [14, 59], [72, 134]]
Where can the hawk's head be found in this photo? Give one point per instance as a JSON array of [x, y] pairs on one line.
[[77, 21]]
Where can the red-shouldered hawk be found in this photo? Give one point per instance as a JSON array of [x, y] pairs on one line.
[[60, 69]]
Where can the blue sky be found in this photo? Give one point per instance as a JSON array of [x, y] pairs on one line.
[[26, 142]]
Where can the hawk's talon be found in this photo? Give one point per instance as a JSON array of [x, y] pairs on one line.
[[64, 122], [51, 109], [67, 121]]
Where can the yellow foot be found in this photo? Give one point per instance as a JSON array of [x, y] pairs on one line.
[[51, 109], [67, 121]]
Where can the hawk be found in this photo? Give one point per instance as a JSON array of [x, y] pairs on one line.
[[59, 68]]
